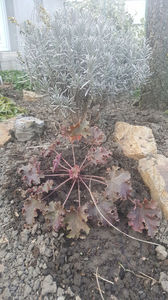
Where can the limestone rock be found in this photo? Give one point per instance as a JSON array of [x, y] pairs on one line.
[[48, 286], [154, 172], [164, 281], [136, 141], [5, 128], [161, 252], [27, 128], [30, 96]]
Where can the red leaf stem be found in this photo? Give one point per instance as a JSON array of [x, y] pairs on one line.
[[73, 153], [96, 180], [56, 175], [79, 192], [81, 166], [54, 190], [67, 197], [67, 163], [93, 176]]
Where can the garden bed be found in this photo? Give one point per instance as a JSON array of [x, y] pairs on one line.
[[30, 255]]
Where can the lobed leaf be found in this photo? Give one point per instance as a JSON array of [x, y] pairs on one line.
[[50, 149], [107, 208], [77, 131], [97, 137], [31, 174], [98, 155], [31, 206], [76, 222], [119, 185], [145, 215], [40, 189], [54, 215]]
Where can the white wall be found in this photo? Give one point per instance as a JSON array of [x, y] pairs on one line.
[[52, 5], [25, 10]]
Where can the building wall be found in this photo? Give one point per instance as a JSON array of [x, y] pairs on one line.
[[22, 10]]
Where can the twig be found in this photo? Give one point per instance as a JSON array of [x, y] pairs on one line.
[[98, 285], [117, 229], [104, 279], [140, 275]]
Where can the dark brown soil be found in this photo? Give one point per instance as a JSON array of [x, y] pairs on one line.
[[104, 248]]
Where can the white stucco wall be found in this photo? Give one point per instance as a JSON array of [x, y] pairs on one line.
[[51, 5], [22, 11]]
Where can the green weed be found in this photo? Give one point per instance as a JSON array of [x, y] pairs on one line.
[[8, 108]]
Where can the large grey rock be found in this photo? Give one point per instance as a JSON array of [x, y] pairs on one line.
[[26, 128]]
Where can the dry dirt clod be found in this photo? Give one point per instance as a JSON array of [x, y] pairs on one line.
[[164, 281], [161, 252]]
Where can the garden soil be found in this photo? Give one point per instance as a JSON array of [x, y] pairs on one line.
[[35, 264]]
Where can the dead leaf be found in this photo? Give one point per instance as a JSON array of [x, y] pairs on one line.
[[3, 240], [77, 131]]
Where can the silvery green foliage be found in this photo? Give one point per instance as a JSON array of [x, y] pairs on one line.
[[75, 56]]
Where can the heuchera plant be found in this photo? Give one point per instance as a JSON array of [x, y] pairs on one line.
[[42, 188]]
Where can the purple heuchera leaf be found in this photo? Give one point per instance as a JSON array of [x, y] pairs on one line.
[[54, 215], [56, 162], [40, 189], [107, 208], [31, 174], [98, 155], [119, 185], [76, 221], [97, 137], [50, 149], [145, 215], [31, 206]]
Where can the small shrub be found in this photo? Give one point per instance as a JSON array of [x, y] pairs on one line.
[[73, 214], [76, 56]]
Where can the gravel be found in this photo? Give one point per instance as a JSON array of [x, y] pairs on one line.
[[24, 252]]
